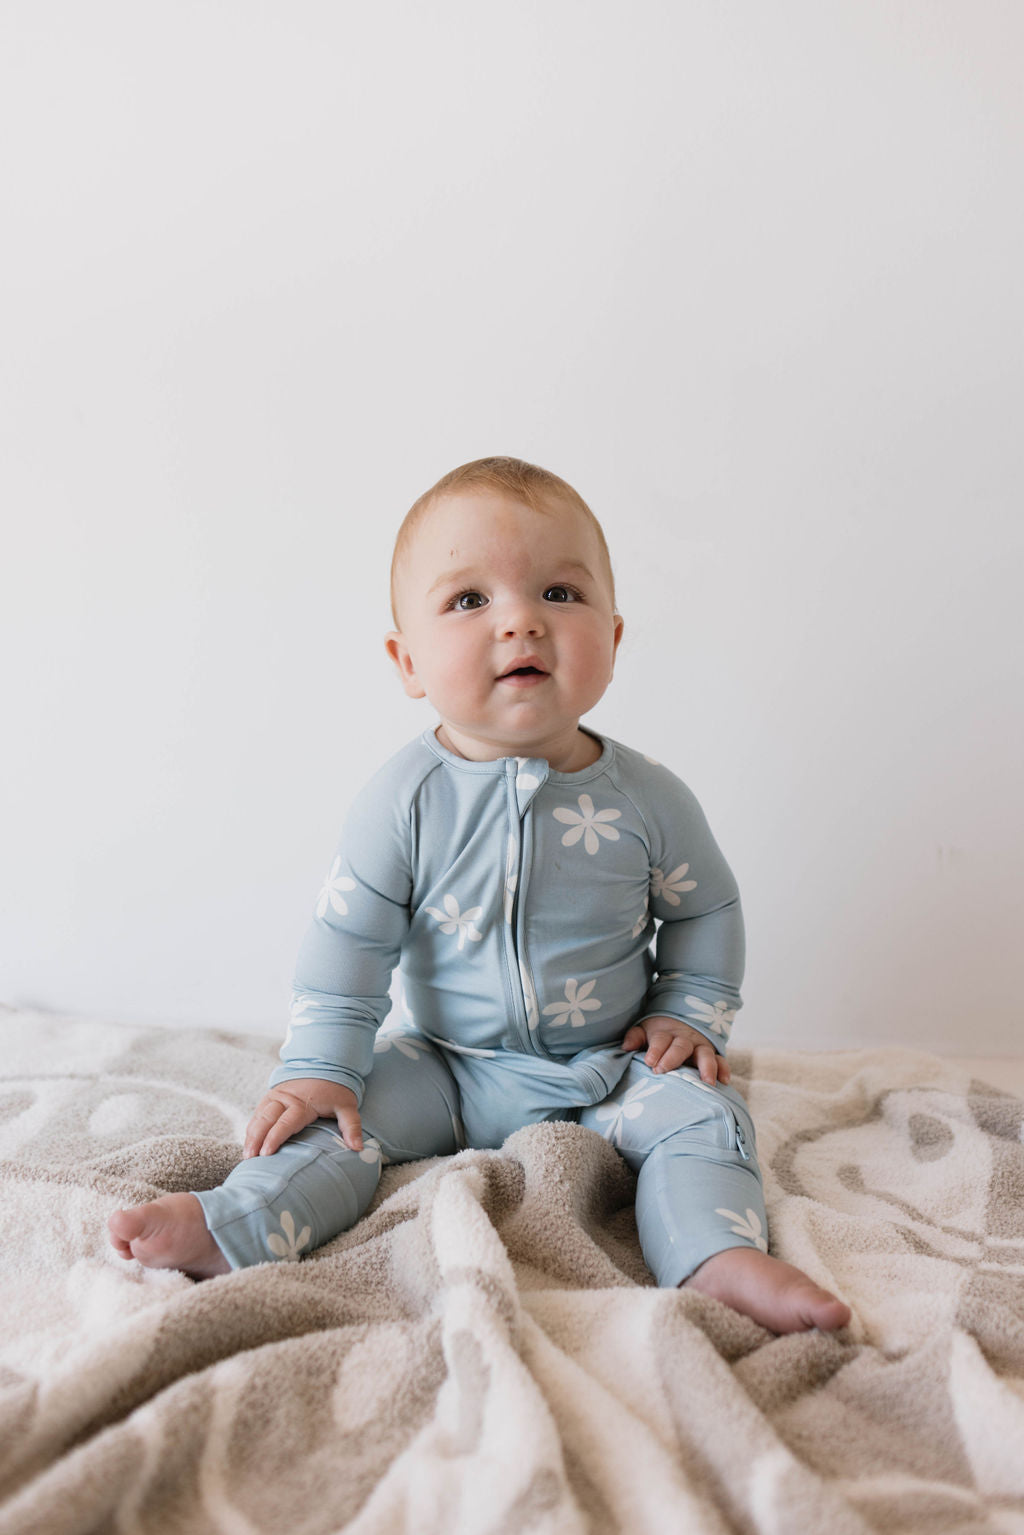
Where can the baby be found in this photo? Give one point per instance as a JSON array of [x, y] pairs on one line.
[[520, 868]]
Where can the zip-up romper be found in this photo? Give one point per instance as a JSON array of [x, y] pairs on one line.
[[522, 904]]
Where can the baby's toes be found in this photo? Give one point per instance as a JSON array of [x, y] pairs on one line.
[[122, 1227]]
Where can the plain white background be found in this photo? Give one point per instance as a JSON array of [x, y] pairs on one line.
[[749, 276]]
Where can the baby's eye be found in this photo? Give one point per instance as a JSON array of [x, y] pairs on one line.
[[466, 602], [561, 594]]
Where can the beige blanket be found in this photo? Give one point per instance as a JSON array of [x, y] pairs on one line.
[[485, 1351]]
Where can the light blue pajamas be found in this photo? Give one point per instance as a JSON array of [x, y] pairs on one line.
[[522, 904]]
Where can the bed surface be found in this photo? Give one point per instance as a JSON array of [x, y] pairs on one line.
[[485, 1351]]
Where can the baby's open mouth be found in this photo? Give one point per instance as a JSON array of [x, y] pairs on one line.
[[523, 673]]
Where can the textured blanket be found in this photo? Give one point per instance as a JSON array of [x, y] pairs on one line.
[[485, 1351]]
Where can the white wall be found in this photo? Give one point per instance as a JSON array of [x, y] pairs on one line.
[[748, 275]]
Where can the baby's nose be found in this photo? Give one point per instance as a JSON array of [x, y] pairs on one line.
[[521, 618]]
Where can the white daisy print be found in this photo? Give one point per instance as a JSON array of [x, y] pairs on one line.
[[454, 921], [529, 996], [577, 1002], [298, 1016], [330, 894], [631, 1106], [671, 886], [449, 1044], [588, 823], [641, 921], [288, 1246], [405, 1044], [748, 1226], [718, 1018], [371, 1151], [526, 781]]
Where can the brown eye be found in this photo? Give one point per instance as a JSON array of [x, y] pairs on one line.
[[466, 602], [559, 594]]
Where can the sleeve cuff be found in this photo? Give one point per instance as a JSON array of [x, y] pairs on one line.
[[337, 1074]]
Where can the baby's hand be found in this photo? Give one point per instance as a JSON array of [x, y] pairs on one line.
[[671, 1044], [293, 1105]]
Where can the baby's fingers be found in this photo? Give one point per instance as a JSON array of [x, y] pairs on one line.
[[351, 1128], [677, 1051], [712, 1066], [663, 1048], [260, 1125], [295, 1117]]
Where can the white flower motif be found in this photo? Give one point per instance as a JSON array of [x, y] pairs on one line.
[[529, 996], [371, 1151], [526, 780], [394, 1039], [330, 894], [454, 921], [671, 886], [631, 1106], [511, 876], [717, 1018], [577, 1002], [449, 1044], [748, 1226], [298, 1016], [289, 1246], [641, 921], [590, 824]]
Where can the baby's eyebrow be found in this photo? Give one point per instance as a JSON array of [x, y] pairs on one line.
[[574, 566], [470, 573], [451, 578]]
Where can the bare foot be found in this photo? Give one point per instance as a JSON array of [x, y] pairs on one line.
[[170, 1233], [774, 1293]]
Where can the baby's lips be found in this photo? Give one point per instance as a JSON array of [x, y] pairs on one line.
[[525, 663], [525, 668]]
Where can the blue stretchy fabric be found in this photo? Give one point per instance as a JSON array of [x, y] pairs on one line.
[[535, 916]]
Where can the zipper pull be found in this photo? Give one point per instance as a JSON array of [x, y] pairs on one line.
[[741, 1143]]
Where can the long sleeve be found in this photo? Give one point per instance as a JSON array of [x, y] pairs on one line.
[[345, 964], [700, 945]]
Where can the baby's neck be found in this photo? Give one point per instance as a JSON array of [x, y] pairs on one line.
[[569, 754]]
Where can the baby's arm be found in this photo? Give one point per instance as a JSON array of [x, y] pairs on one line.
[[342, 979], [699, 951]]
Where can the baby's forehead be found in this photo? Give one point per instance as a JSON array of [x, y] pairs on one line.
[[434, 528]]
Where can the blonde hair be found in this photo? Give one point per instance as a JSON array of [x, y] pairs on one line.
[[529, 483]]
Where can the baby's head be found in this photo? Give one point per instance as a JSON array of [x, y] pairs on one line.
[[513, 478], [504, 605]]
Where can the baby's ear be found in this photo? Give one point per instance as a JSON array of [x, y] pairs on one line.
[[398, 650], [617, 634]]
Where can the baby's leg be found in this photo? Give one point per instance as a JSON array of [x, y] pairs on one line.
[[700, 1205], [287, 1204]]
